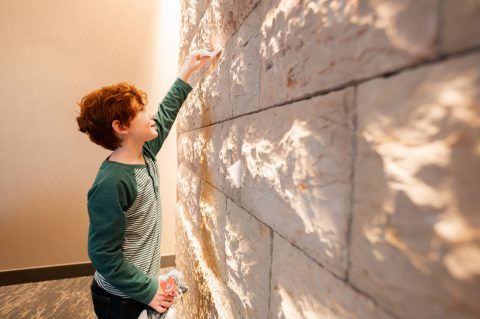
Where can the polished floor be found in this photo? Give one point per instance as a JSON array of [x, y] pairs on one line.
[[58, 299], [65, 298]]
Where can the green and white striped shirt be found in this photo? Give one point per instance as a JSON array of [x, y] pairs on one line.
[[126, 214]]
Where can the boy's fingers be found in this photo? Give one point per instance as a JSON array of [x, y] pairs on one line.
[[166, 304], [198, 54], [159, 309], [167, 298], [202, 58], [201, 54]]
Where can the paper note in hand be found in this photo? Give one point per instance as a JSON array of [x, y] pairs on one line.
[[169, 287], [213, 53]]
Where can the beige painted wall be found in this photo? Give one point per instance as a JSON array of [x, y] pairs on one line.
[[52, 53]]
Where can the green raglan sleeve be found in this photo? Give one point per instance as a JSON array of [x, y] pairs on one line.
[[167, 112], [107, 201]]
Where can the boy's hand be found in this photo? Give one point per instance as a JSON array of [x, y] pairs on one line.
[[194, 62], [161, 302]]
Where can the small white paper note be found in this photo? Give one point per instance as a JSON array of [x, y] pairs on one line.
[[235, 172], [213, 53]]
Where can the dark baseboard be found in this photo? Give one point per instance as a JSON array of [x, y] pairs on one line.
[[22, 276]]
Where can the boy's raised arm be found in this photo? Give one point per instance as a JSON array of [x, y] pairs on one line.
[[194, 62], [167, 112], [169, 107]]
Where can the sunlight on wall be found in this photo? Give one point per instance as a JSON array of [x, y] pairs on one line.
[[167, 19], [165, 67]]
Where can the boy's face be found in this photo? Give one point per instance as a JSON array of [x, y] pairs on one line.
[[142, 127]]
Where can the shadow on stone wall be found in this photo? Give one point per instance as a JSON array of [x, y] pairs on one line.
[[416, 217], [357, 158]]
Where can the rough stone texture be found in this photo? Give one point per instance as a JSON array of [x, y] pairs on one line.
[[301, 289], [188, 192], [356, 124], [245, 64], [206, 209], [213, 209], [219, 21], [297, 173], [231, 82], [461, 25], [248, 250], [301, 164], [416, 230], [197, 302], [207, 296], [209, 102], [310, 46], [192, 13]]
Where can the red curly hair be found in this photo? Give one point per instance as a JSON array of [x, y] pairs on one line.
[[101, 107]]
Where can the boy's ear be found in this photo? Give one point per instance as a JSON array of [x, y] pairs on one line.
[[119, 128]]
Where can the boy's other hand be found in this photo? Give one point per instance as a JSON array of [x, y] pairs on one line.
[[161, 302], [194, 62]]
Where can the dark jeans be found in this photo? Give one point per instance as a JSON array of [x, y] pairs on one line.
[[108, 306]]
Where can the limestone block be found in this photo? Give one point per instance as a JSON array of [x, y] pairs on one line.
[[461, 25], [311, 46], [203, 151], [206, 209], [245, 64], [188, 190], [296, 175], [191, 13], [248, 250], [197, 302], [303, 289], [220, 20], [209, 102], [190, 114], [416, 227], [186, 152], [196, 150], [230, 80], [297, 163], [230, 14], [213, 210], [215, 89], [208, 296]]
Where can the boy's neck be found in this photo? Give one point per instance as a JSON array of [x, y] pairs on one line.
[[128, 154]]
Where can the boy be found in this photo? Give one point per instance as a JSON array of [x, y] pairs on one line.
[[124, 204]]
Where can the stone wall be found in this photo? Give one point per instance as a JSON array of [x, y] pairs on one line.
[[356, 124]]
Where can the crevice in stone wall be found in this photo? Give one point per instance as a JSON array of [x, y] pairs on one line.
[[420, 64], [352, 181], [440, 25], [205, 12], [266, 225], [364, 294], [269, 227], [208, 251], [270, 274]]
